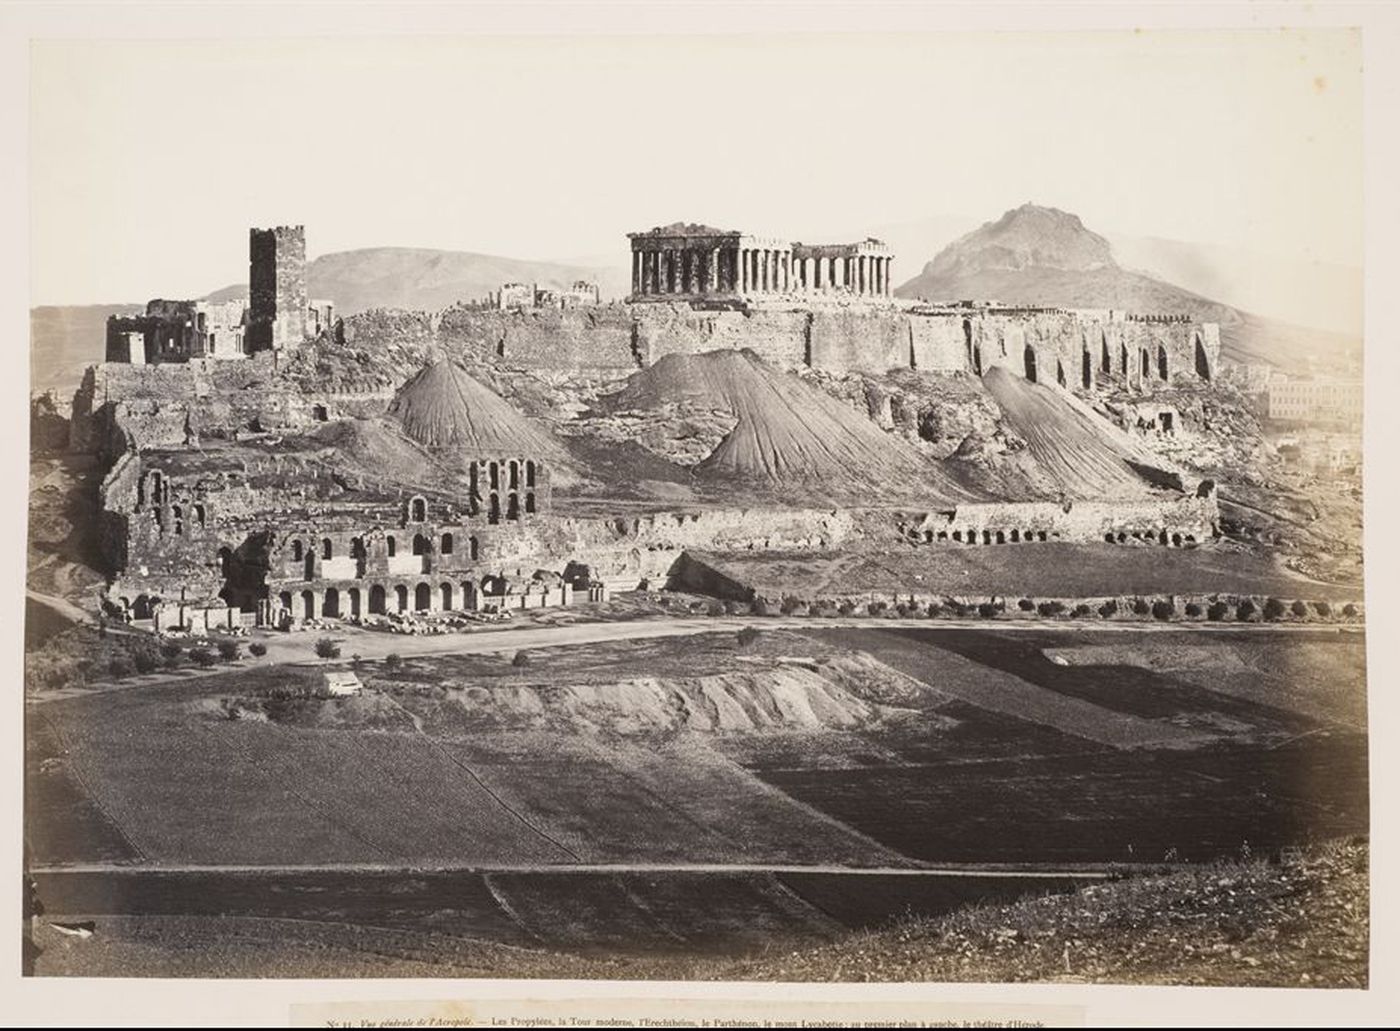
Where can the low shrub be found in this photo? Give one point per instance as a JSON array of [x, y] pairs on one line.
[[747, 636], [988, 610], [521, 660], [1163, 609], [1323, 609], [1140, 607], [1218, 610], [734, 608], [202, 657], [715, 608], [145, 660], [1349, 609], [228, 649], [1274, 609], [1300, 609], [1193, 610], [846, 608], [934, 610], [1026, 605], [761, 608], [876, 608], [1108, 608], [1081, 610], [258, 649], [326, 648], [170, 649], [393, 660], [1051, 608], [120, 668], [1245, 611], [174, 661]]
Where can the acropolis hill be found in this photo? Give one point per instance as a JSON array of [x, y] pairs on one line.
[[277, 462]]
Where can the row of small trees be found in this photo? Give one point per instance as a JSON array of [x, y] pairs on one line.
[[1244, 611], [145, 656]]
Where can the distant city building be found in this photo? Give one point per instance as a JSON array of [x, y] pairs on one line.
[[1315, 400], [177, 331], [688, 261], [582, 294], [515, 295]]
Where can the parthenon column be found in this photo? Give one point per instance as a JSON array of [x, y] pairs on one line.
[[743, 268], [636, 272]]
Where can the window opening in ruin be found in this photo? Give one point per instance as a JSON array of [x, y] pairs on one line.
[[331, 606], [513, 506], [1030, 363], [1086, 369], [447, 544], [391, 545], [495, 476], [401, 597], [308, 605], [529, 474], [977, 359], [1176, 539], [422, 598], [957, 536], [1162, 537], [357, 547], [420, 510], [199, 514], [1202, 361], [1146, 365], [530, 503], [493, 515], [1015, 536], [376, 600], [1166, 420], [986, 536], [354, 595], [318, 413], [421, 545], [296, 551], [514, 475], [225, 558], [473, 548], [1001, 537], [447, 597], [1123, 359], [286, 600], [178, 514], [326, 548], [1162, 362]]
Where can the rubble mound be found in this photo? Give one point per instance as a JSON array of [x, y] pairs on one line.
[[785, 430], [1082, 453], [444, 407]]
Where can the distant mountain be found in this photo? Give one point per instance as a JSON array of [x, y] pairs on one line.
[[1044, 256], [429, 280]]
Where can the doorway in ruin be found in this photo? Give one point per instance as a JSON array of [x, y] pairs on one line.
[[447, 598], [1030, 363], [469, 595], [1146, 366], [401, 597], [1162, 362], [331, 606], [354, 596], [421, 545], [376, 600], [422, 598], [1105, 363], [308, 605], [1086, 370], [1202, 360]]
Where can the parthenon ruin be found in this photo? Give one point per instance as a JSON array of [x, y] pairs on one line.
[[685, 260]]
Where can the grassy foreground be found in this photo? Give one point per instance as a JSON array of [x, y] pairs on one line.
[[1303, 922]]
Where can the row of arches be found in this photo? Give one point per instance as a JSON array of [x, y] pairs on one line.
[[198, 518], [1175, 540], [1018, 535], [507, 473], [422, 544], [1147, 367], [379, 599]]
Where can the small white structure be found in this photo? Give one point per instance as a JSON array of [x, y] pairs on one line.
[[343, 682]]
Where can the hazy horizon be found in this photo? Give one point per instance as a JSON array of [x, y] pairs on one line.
[[150, 159]]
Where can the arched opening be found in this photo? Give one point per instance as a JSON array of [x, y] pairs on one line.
[[401, 597], [1108, 537], [326, 548], [1162, 537], [1176, 540], [421, 545], [1105, 365], [331, 605], [1001, 537], [178, 514], [514, 475], [447, 598], [473, 548], [419, 510], [513, 505], [1042, 535], [1146, 366], [986, 536], [309, 566], [199, 515], [495, 475], [1162, 362], [493, 513], [308, 605], [1030, 363], [354, 598], [1015, 536], [1202, 360], [957, 536], [296, 551], [225, 559], [447, 544], [1060, 373], [144, 607], [319, 413], [422, 598], [530, 503], [285, 600], [530, 473], [376, 600], [1086, 369], [391, 546]]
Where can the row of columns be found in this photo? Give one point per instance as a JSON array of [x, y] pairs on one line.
[[753, 270]]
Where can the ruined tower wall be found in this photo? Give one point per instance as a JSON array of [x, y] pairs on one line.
[[277, 298]]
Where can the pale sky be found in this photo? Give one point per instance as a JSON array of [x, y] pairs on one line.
[[150, 160]]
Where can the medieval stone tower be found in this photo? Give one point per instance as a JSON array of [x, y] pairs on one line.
[[277, 302]]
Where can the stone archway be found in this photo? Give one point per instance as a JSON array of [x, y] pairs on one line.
[[446, 593], [376, 600], [422, 598], [401, 598], [1029, 358], [331, 605]]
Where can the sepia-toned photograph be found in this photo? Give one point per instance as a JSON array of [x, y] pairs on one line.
[[706, 507]]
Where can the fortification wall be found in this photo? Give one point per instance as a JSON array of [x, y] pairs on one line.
[[1170, 520]]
